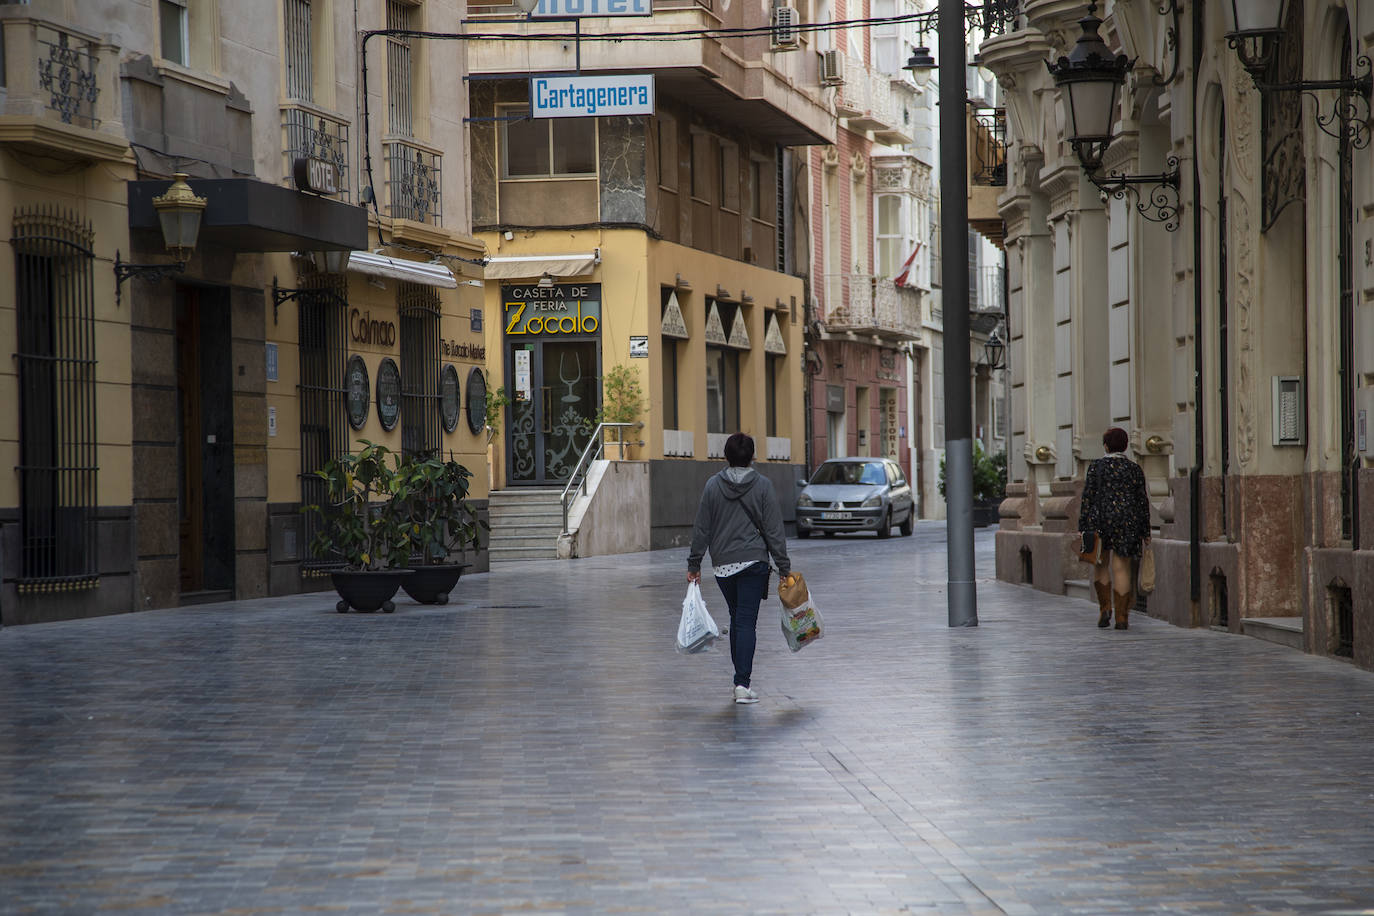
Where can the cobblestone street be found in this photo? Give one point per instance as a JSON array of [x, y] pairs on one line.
[[537, 746]]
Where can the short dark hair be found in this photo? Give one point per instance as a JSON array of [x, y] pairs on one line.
[[739, 450], [1116, 439]]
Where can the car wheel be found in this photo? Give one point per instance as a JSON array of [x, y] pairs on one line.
[[803, 533], [885, 526], [909, 523]]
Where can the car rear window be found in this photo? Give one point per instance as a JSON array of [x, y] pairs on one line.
[[868, 472]]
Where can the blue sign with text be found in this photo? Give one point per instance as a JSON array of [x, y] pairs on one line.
[[591, 96]]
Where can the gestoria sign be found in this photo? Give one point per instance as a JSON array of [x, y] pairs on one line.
[[561, 311]]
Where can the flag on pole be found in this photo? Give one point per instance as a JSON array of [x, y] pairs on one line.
[[901, 279]]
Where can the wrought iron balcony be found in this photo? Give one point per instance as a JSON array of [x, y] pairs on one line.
[[864, 304], [987, 147], [60, 90], [308, 133], [414, 182]]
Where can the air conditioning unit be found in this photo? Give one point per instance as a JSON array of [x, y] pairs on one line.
[[832, 68], [786, 36]]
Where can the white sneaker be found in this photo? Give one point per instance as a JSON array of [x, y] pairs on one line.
[[745, 695]]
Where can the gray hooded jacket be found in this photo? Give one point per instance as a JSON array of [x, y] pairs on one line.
[[724, 525]]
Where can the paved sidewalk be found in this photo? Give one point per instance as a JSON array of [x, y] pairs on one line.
[[538, 747]]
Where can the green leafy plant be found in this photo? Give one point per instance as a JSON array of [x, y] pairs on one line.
[[989, 474], [431, 497], [359, 523], [496, 403], [622, 397]]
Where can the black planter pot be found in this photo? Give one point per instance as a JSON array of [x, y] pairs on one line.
[[432, 584], [368, 590], [985, 512]]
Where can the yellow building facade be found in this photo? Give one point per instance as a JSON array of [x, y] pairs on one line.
[[173, 399]]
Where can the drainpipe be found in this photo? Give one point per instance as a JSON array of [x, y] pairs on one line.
[[1199, 452]]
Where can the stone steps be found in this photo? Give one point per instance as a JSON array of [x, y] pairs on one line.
[[1285, 631], [525, 523]]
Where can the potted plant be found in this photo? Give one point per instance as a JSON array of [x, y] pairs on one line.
[[622, 400], [431, 497], [989, 484], [360, 527]]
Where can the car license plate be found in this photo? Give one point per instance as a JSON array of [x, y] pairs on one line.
[[835, 516]]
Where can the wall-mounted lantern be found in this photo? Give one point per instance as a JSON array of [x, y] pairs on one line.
[[1090, 79], [179, 211]]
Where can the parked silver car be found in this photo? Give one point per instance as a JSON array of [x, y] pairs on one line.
[[855, 494]]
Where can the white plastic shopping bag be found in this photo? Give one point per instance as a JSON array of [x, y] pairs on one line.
[[696, 631]]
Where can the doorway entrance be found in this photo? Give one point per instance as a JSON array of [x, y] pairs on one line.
[[556, 391], [205, 444]]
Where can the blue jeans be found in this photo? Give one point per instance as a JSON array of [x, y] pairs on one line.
[[743, 593]]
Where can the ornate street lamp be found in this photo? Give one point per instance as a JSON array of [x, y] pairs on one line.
[[994, 352], [179, 211], [1253, 28], [920, 65], [1091, 78], [1256, 27]]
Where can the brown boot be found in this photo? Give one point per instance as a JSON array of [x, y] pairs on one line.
[[1104, 603], [1123, 609]]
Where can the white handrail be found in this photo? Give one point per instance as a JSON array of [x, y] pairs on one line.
[[578, 479]]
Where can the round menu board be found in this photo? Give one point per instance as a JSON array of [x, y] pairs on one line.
[[358, 399], [388, 394], [450, 405], [477, 401]]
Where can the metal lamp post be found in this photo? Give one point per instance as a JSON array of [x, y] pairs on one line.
[[963, 592]]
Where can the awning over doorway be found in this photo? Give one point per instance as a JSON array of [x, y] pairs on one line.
[[245, 214], [533, 266], [379, 265]]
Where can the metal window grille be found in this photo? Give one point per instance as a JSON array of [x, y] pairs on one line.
[[414, 183], [67, 73], [421, 418], [398, 68], [55, 321], [310, 136], [323, 331], [781, 201], [300, 65]]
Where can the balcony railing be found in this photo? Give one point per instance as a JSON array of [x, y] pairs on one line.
[[67, 76], [988, 147], [59, 88], [864, 304], [414, 183], [309, 134]]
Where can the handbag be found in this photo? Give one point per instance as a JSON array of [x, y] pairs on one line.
[[1090, 551], [1147, 569]]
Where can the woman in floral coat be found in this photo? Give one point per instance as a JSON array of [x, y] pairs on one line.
[[1117, 507]]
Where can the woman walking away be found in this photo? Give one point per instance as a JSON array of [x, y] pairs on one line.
[[740, 523], [1117, 507]]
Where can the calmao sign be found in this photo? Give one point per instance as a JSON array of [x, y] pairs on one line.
[[556, 311], [591, 96]]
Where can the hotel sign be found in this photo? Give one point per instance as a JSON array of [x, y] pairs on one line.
[[555, 311], [565, 9], [591, 96]]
